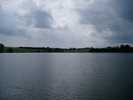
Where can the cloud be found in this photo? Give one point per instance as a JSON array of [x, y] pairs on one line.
[[8, 22], [69, 23], [41, 19], [112, 21], [125, 9]]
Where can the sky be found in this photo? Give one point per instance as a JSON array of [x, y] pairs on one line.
[[66, 23]]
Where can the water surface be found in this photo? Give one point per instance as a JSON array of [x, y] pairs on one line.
[[66, 76]]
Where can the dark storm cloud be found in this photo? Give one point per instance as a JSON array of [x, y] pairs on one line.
[[115, 17], [124, 28], [125, 9]]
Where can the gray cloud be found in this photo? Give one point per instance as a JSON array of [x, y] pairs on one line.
[[114, 17], [125, 9], [8, 23], [41, 19], [71, 23]]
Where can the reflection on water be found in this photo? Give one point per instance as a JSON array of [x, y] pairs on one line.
[[66, 76]]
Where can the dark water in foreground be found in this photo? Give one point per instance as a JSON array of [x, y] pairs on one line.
[[66, 76]]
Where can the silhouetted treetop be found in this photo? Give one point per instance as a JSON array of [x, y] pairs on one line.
[[1, 45]]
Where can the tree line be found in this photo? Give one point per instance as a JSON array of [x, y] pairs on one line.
[[122, 48]]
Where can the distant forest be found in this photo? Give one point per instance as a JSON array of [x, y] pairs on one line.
[[112, 49]]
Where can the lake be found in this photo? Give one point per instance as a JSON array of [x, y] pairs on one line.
[[66, 76]]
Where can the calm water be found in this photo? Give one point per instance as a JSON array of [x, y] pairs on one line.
[[66, 76]]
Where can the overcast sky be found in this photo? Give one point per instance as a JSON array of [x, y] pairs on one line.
[[66, 23]]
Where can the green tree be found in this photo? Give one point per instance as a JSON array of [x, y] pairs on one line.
[[1, 48], [10, 50]]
